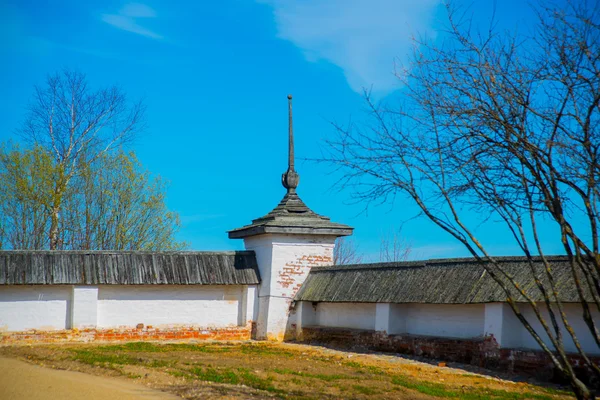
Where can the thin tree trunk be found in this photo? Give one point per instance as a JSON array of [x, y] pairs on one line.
[[54, 228]]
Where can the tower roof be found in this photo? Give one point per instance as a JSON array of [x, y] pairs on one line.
[[291, 214]]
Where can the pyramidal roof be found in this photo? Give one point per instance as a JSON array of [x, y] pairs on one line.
[[291, 214]]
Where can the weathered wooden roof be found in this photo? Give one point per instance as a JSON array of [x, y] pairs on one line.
[[128, 268], [444, 281], [292, 216]]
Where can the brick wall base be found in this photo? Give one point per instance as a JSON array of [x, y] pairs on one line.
[[482, 352], [126, 334]]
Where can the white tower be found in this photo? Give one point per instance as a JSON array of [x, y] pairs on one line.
[[288, 242]]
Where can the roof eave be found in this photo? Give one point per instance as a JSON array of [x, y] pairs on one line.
[[255, 230]]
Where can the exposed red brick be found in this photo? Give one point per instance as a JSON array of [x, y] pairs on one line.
[[127, 334]]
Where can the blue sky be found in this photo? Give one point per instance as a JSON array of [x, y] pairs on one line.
[[214, 77]]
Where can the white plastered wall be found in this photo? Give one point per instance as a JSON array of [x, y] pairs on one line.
[[56, 307], [346, 315], [446, 320], [208, 306], [34, 307], [574, 315], [463, 321], [459, 321]]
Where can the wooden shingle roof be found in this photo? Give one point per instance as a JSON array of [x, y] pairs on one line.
[[128, 268], [443, 281], [292, 216]]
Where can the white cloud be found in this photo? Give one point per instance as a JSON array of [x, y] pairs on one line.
[[127, 17], [362, 37], [137, 10]]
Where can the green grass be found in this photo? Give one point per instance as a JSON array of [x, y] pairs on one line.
[[323, 377], [439, 390], [353, 364], [107, 360], [114, 357], [256, 382], [265, 350], [364, 390], [180, 374], [164, 348], [104, 359], [241, 376], [363, 369], [210, 374]]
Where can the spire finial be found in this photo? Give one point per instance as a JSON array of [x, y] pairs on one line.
[[290, 134], [290, 179]]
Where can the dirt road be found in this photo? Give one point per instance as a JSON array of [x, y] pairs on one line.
[[20, 380]]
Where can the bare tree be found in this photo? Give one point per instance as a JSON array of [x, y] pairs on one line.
[[508, 127], [394, 247], [346, 252], [76, 124]]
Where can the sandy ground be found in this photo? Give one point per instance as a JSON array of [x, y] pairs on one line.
[[23, 381]]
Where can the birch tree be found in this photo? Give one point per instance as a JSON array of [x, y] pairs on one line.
[[110, 204], [70, 119], [506, 127]]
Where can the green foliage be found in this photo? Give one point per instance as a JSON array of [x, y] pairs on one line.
[[110, 203]]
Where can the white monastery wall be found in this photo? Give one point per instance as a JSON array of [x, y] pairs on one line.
[[459, 321], [209, 306], [34, 307], [574, 314], [446, 320], [56, 307], [346, 315], [464, 321]]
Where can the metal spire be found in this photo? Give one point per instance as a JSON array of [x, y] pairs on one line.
[[291, 135], [290, 178]]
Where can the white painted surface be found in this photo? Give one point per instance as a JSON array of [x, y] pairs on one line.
[[574, 315], [158, 305], [34, 307], [397, 319], [459, 321], [284, 261], [84, 307], [346, 315], [446, 320], [501, 322], [307, 314], [248, 305], [450, 320], [382, 317], [278, 318]]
